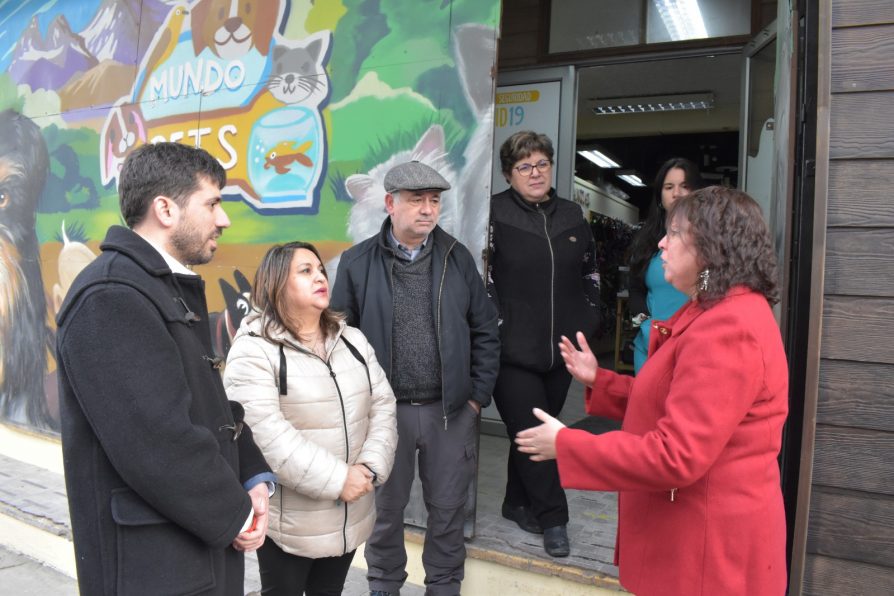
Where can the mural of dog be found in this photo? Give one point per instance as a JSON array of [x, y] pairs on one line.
[[230, 28], [24, 334]]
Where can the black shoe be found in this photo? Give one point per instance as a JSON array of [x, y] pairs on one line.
[[379, 593], [523, 517], [555, 541]]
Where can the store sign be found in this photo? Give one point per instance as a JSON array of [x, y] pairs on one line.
[[267, 130], [533, 106]]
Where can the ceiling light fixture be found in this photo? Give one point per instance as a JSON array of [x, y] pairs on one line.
[[668, 102], [632, 179], [682, 19], [599, 158]]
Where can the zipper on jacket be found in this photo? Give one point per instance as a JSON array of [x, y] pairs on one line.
[[391, 351], [673, 492], [344, 421], [552, 289], [438, 329]]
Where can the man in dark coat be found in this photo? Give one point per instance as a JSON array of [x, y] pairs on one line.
[[166, 487], [415, 293]]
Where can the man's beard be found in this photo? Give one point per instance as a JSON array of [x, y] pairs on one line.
[[190, 247]]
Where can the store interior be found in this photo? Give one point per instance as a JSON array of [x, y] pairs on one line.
[[631, 117], [639, 114]]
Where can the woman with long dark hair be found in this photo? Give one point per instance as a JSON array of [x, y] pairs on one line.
[[323, 415], [651, 297]]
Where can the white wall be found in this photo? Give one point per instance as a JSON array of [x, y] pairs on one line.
[[585, 193]]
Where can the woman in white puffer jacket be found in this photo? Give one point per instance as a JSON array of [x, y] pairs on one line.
[[322, 412]]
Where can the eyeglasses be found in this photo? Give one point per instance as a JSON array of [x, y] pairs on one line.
[[526, 169]]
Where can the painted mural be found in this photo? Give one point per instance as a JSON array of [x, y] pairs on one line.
[[306, 103]]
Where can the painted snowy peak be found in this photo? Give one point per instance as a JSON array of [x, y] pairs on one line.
[[115, 33], [49, 62]]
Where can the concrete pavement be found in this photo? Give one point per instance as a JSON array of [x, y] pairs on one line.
[[501, 557]]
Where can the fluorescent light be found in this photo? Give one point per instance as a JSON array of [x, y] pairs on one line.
[[682, 19], [631, 179], [600, 159], [669, 102]]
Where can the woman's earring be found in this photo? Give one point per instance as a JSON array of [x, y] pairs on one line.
[[704, 277]]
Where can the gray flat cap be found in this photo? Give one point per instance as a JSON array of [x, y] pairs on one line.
[[414, 175]]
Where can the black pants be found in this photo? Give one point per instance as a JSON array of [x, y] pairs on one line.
[[536, 484], [283, 574]]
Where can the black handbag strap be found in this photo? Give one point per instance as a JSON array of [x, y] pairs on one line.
[[359, 357], [282, 371], [283, 389]]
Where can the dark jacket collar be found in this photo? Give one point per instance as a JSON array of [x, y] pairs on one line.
[[128, 242], [548, 205]]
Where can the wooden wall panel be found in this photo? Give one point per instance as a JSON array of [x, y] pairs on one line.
[[856, 394], [858, 329], [861, 192], [851, 526], [863, 59], [857, 459], [861, 12], [521, 32], [860, 262], [825, 575], [850, 532], [862, 125]]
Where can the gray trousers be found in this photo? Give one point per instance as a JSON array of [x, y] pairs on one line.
[[447, 463]]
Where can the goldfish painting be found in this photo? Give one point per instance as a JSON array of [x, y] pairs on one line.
[[284, 154]]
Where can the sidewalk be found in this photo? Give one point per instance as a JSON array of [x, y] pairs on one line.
[[24, 576], [501, 557]]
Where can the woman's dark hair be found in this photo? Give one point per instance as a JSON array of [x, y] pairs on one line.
[[268, 293], [645, 242], [521, 145], [732, 241]]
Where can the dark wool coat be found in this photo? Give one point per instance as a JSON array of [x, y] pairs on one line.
[[465, 320], [151, 468], [543, 277]]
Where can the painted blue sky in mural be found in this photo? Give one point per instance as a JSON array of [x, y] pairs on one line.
[[16, 15], [95, 20]]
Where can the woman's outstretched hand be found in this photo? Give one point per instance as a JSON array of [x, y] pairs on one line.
[[581, 363], [540, 441]]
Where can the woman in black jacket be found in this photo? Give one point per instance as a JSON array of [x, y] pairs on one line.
[[542, 276]]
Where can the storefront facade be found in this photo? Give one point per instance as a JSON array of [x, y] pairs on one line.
[[393, 80]]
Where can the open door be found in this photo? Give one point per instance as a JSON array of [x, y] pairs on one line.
[[767, 166], [758, 131]]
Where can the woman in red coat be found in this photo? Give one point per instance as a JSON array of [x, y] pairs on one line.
[[700, 504]]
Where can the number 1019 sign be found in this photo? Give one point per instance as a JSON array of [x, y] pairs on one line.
[[533, 106]]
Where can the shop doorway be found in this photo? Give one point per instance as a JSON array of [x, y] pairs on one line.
[[632, 116]]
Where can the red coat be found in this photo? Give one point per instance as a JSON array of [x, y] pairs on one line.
[[700, 505]]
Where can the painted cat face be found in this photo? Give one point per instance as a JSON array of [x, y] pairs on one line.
[[297, 75], [368, 190]]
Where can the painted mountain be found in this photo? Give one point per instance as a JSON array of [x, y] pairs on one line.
[[49, 63], [121, 29]]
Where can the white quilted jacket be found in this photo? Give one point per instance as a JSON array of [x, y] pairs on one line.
[[311, 435]]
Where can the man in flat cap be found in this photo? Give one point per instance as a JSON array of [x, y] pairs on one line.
[[415, 292]]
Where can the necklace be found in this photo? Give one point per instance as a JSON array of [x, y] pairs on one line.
[[316, 343]]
